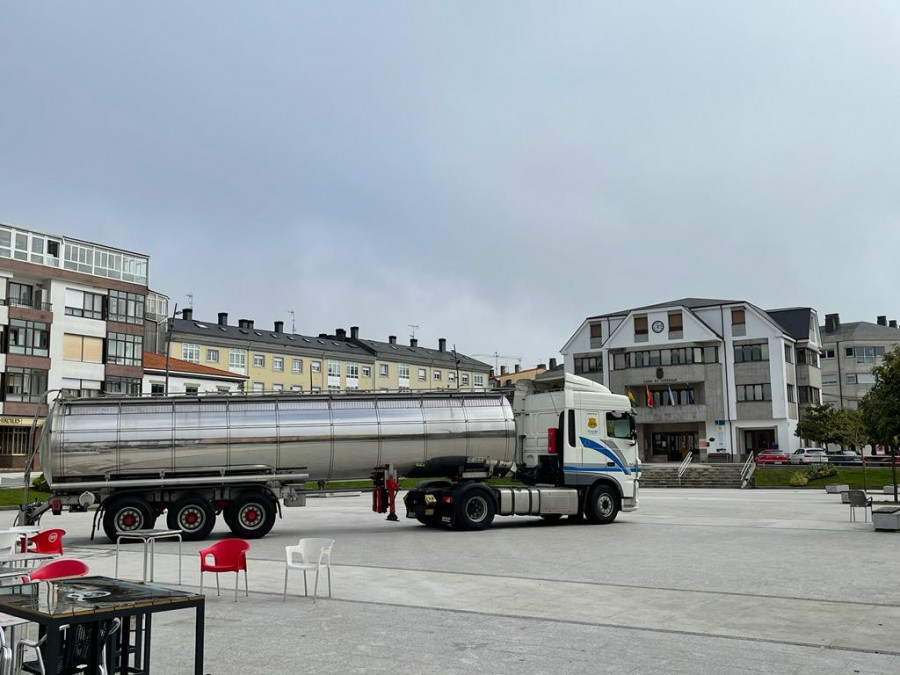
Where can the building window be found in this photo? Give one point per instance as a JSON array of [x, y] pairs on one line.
[[258, 387], [259, 360], [125, 350], [451, 377], [829, 380], [333, 389], [790, 394], [82, 348], [297, 365], [126, 307], [810, 395], [754, 352], [237, 358], [422, 374], [315, 366], [297, 388], [383, 370], [278, 364], [754, 392], [334, 368], [28, 337], [122, 386], [479, 380], [670, 397], [277, 387], [588, 364], [25, 385], [86, 305], [212, 355], [190, 352], [402, 371], [157, 389], [367, 371], [851, 378], [809, 356], [191, 389], [865, 354], [676, 325], [465, 380], [827, 353], [315, 390], [19, 295], [640, 325], [352, 371], [436, 374], [788, 354], [596, 335], [738, 325]]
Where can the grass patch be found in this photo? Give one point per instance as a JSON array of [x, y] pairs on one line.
[[780, 476], [13, 496]]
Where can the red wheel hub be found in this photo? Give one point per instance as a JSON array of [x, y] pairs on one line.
[[191, 518], [129, 520], [251, 515]]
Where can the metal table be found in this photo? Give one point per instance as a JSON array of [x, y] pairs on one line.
[[13, 559], [149, 537], [93, 600], [24, 531]]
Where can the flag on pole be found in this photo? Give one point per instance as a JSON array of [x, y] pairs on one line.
[[631, 398], [671, 396], [649, 398]]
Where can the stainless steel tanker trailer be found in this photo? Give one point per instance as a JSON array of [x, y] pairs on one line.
[[569, 441]]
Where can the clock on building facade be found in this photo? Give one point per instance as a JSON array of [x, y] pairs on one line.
[[658, 326]]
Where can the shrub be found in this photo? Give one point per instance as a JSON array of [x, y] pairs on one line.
[[40, 484], [821, 471], [798, 479]]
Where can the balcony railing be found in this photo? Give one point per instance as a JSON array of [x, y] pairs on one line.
[[24, 302]]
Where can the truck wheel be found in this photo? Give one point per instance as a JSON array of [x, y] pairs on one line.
[[194, 516], [126, 515], [475, 510], [251, 515], [602, 504]]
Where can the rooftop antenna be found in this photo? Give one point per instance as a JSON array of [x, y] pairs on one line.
[[190, 303], [414, 327], [293, 324]]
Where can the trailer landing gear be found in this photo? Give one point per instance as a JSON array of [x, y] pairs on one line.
[[384, 497]]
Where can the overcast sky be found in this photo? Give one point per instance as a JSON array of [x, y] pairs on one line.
[[491, 171]]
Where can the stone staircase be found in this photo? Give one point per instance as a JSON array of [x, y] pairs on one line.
[[696, 476]]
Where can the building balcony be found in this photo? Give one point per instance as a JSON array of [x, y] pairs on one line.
[[27, 303], [671, 414]]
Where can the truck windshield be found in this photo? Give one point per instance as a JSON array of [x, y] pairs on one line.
[[619, 425]]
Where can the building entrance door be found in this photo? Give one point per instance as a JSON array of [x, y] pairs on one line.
[[758, 440], [674, 446]]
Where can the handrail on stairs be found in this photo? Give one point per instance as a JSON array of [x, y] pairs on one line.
[[684, 465], [747, 470]]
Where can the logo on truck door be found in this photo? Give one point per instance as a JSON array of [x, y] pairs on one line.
[[592, 426]]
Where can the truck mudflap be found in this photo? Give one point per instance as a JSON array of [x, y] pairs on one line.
[[426, 503]]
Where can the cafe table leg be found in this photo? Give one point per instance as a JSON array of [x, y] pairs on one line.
[[147, 627], [199, 623], [52, 653]]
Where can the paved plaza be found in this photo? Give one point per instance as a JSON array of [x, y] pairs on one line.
[[696, 581]]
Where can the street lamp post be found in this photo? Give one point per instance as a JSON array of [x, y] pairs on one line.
[[169, 326]]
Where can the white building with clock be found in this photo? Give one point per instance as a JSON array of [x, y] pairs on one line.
[[721, 378]]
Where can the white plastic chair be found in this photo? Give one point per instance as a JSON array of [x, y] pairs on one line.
[[308, 555], [9, 542]]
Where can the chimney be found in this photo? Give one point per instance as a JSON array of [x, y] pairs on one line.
[[354, 332], [242, 323], [250, 324], [502, 371], [323, 335], [518, 367], [892, 323], [223, 318], [882, 321], [340, 334], [552, 364], [832, 322], [279, 326], [442, 344], [187, 314], [413, 342], [392, 339], [541, 366]]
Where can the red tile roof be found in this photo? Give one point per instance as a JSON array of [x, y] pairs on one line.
[[158, 362]]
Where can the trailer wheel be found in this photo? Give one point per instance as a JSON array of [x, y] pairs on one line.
[[193, 515], [474, 510], [602, 504], [126, 515], [251, 515]]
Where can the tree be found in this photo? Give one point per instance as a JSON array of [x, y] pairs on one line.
[[880, 408], [819, 424], [851, 428]]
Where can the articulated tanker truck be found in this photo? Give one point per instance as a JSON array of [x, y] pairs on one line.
[[568, 442]]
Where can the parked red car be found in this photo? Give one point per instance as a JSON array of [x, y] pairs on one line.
[[773, 457]]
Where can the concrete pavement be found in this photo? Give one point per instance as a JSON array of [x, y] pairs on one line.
[[696, 581]]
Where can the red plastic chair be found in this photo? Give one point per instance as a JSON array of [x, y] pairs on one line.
[[58, 569], [48, 541], [228, 555]]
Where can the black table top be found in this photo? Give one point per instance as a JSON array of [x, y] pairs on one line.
[[90, 595]]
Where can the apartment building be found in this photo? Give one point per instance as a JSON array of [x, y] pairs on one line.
[[721, 378], [275, 360], [71, 321], [506, 378], [849, 353]]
